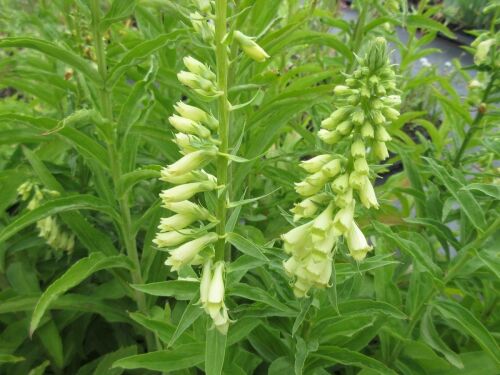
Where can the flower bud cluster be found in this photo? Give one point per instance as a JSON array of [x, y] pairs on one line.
[[48, 228], [365, 105], [196, 138]]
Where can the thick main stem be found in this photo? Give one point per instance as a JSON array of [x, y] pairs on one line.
[[223, 114]]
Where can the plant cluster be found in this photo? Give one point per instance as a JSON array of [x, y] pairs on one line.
[[151, 150]]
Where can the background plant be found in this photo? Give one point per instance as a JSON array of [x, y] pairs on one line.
[[87, 89]]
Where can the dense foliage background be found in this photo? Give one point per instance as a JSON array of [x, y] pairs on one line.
[[76, 238]]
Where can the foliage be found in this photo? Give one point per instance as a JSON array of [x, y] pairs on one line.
[[86, 91]]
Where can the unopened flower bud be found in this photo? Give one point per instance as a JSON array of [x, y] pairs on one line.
[[392, 100], [483, 50], [172, 238], [390, 113], [197, 67], [315, 164], [187, 252], [196, 114], [186, 191], [188, 208], [344, 127], [342, 90], [188, 126], [206, 277], [329, 137], [252, 49], [202, 27], [317, 179], [191, 161], [204, 5], [306, 189], [377, 117], [176, 222]]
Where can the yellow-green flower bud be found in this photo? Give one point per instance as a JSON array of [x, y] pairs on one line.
[[202, 27], [358, 149], [187, 142], [196, 114], [318, 179], [315, 164], [390, 113], [356, 242], [305, 208], [341, 184], [344, 218], [343, 90], [378, 118], [198, 68], [367, 195], [358, 117], [306, 189], [361, 166], [382, 135], [206, 277], [392, 100], [186, 191], [377, 55], [343, 200], [329, 137], [344, 127], [176, 222], [189, 208], [332, 168], [173, 238], [186, 253], [296, 238], [215, 305], [252, 49], [199, 84], [188, 126], [191, 161], [367, 131], [356, 180], [204, 5], [482, 51], [380, 150]]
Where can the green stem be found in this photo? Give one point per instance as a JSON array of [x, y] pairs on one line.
[[223, 114], [474, 125]]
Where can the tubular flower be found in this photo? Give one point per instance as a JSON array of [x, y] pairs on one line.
[[365, 103], [212, 291], [48, 228]]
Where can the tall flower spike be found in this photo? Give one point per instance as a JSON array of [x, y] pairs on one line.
[[365, 104]]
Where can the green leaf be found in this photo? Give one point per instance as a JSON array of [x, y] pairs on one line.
[[120, 10], [468, 203], [141, 52], [256, 294], [53, 50], [180, 289], [431, 337], [51, 340], [409, 247], [87, 146], [469, 323], [40, 369], [493, 190], [245, 246], [107, 360], [423, 22], [9, 358], [128, 180], [192, 312], [333, 354], [179, 358], [72, 277], [215, 351], [53, 207]]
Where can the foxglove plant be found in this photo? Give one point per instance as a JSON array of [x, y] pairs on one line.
[[202, 140], [365, 104]]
